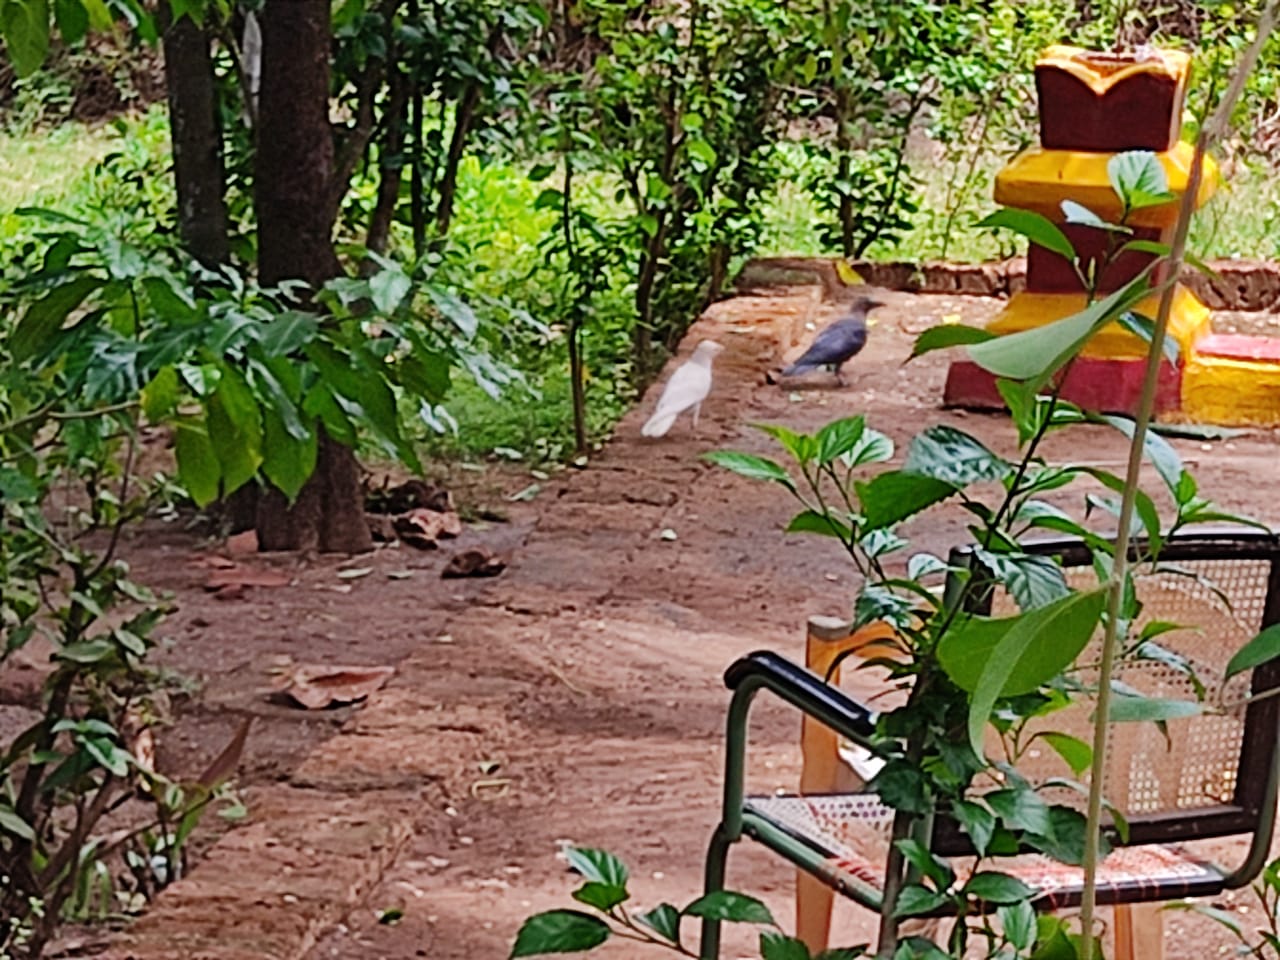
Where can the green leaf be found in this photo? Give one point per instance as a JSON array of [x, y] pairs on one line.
[[915, 900], [235, 430], [1147, 246], [107, 755], [838, 438], [1079, 214], [1077, 753], [954, 457], [948, 335], [1033, 580], [1036, 648], [46, 316], [24, 24], [598, 866], [842, 953], [872, 447], [730, 906], [287, 462], [1018, 921], [1035, 355], [198, 469], [1261, 649], [603, 896], [978, 822], [160, 396], [929, 865], [750, 466], [992, 887], [810, 521], [1126, 709], [1036, 227], [14, 825], [1145, 328], [1157, 449], [664, 920], [779, 946], [388, 288], [72, 20], [1138, 179], [895, 495], [1021, 808], [287, 333], [559, 931], [801, 446]]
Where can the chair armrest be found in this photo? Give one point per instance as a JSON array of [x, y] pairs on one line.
[[805, 691]]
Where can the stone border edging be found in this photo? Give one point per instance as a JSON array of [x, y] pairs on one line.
[[1246, 285]]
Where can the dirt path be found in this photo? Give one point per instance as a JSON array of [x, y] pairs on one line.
[[578, 696]]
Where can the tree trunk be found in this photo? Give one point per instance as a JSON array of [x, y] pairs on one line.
[[197, 141], [391, 158], [463, 116], [294, 173]]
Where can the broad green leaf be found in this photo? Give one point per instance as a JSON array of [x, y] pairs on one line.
[[455, 311], [1077, 753], [279, 399], [72, 19], [1079, 214], [750, 466], [1138, 179], [287, 333], [1145, 328], [1032, 580], [86, 651], [1034, 650], [1065, 842], [107, 755], [198, 469], [978, 822], [24, 24], [928, 864], [810, 521], [730, 906], [1036, 354], [1018, 921], [992, 887], [559, 931], [895, 495], [872, 447], [664, 920], [598, 866], [603, 896], [838, 438], [915, 900], [779, 946], [160, 397], [966, 648], [287, 462], [387, 288], [46, 316], [1261, 649], [1021, 808], [948, 335], [801, 446], [235, 430], [954, 457], [1153, 247], [1036, 227], [1126, 709]]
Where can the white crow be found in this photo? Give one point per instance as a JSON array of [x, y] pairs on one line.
[[686, 389]]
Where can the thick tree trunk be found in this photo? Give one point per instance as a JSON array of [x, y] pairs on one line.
[[294, 176], [197, 141]]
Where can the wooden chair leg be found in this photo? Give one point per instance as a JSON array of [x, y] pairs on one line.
[[1139, 931], [814, 900]]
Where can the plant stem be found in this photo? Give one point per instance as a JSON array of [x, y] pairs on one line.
[[1155, 357]]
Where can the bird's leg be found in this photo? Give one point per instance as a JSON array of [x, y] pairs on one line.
[[697, 408]]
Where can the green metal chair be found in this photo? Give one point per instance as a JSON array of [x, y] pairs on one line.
[[1216, 776]]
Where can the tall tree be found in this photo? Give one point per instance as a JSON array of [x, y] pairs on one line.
[[293, 176], [197, 138]]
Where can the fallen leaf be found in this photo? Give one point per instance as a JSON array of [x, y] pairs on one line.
[[243, 543], [355, 573], [668, 534], [528, 493], [317, 686], [399, 574], [224, 764], [422, 528], [240, 575]]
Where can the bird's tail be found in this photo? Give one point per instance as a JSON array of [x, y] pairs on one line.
[[658, 424], [798, 368]]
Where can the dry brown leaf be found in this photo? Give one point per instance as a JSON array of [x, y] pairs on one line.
[[422, 528], [477, 562], [239, 575], [317, 686], [224, 764]]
